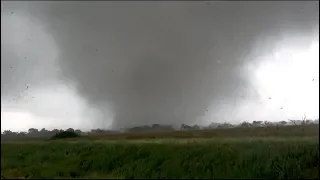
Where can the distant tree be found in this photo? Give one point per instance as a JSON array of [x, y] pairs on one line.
[[304, 119], [22, 134], [309, 121], [296, 122], [70, 130], [78, 131], [43, 131], [32, 131], [196, 127], [97, 131], [267, 123], [213, 125], [155, 125], [225, 126], [185, 127], [5, 132], [283, 123], [257, 123], [55, 131], [245, 124]]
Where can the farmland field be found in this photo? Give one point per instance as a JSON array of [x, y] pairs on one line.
[[269, 152]]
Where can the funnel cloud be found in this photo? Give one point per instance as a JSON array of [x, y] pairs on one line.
[[141, 63]]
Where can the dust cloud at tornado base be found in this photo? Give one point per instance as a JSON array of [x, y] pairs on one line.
[[141, 63]]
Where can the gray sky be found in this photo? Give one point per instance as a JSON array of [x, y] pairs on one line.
[[120, 64]]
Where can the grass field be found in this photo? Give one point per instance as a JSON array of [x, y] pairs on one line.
[[284, 152]]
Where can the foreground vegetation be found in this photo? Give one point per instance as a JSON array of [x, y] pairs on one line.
[[275, 153]]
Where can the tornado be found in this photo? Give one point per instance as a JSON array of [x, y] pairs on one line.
[[144, 63]]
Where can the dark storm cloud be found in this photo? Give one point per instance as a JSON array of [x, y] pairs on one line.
[[166, 62], [24, 60]]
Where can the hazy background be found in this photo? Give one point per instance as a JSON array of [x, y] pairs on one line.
[[121, 64]]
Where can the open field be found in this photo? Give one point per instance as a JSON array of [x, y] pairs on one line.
[[284, 152], [280, 131]]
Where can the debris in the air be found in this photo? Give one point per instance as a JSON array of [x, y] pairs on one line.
[[281, 108], [269, 97]]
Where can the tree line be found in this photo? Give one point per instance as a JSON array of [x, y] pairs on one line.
[[44, 133]]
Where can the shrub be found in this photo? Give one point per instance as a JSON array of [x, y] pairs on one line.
[[65, 135]]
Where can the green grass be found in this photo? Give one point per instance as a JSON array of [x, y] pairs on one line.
[[244, 157]]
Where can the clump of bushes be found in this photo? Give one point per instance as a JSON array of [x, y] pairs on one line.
[[65, 135]]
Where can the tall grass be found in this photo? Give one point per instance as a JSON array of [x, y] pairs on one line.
[[296, 158]]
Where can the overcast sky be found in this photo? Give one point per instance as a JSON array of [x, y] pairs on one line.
[[120, 64]]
